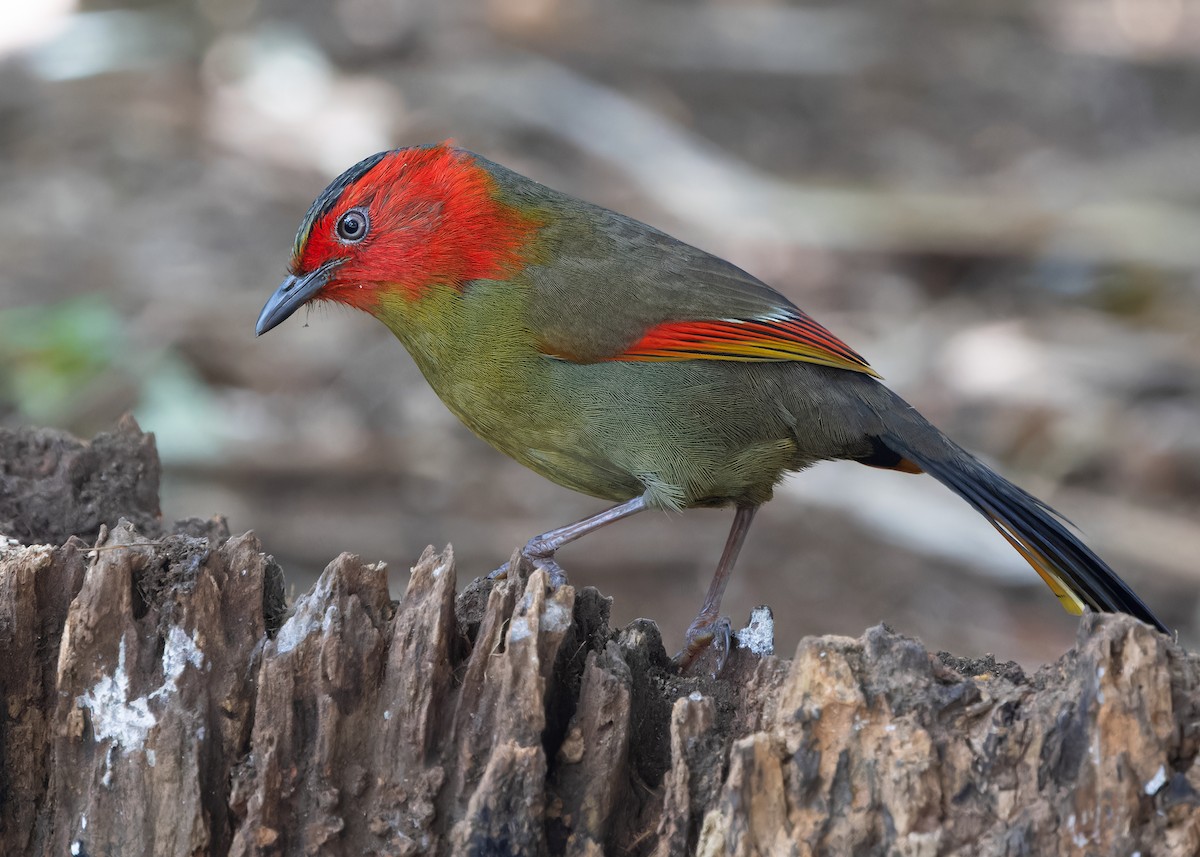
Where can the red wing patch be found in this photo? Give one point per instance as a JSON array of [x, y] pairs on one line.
[[793, 337]]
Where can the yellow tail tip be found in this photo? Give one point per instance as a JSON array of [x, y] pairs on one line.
[[1070, 602]]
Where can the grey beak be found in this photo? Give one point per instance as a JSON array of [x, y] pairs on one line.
[[292, 294]]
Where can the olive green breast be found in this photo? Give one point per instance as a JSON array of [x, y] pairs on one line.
[[476, 351]]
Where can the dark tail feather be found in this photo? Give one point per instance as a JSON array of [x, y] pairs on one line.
[[1075, 574]]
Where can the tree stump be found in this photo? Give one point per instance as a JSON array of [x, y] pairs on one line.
[[159, 699]]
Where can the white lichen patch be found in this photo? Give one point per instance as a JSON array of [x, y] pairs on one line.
[[555, 617], [179, 651], [308, 616], [295, 630], [106, 780], [331, 620], [126, 721], [1157, 781], [116, 717], [759, 635], [519, 629]]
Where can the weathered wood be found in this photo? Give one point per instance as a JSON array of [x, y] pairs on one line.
[[53, 485], [157, 703]]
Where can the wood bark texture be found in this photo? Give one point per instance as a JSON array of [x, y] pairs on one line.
[[161, 699]]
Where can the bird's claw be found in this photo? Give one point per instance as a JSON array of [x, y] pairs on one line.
[[546, 562], [706, 631], [553, 570]]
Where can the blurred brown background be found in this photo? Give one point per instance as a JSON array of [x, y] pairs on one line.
[[998, 203]]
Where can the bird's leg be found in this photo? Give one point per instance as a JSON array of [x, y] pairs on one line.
[[540, 550], [709, 627]]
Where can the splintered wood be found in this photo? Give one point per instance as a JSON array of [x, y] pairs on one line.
[[157, 703]]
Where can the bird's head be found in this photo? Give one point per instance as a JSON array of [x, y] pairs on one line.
[[397, 224]]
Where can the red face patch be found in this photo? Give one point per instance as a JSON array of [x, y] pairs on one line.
[[432, 219]]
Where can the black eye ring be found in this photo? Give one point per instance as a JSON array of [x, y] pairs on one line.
[[353, 225]]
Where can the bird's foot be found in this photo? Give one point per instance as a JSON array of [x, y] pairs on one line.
[[558, 577], [538, 554], [705, 631]]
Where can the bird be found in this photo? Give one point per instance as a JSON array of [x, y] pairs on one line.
[[620, 362]]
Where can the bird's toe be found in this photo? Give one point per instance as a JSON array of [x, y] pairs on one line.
[[706, 631]]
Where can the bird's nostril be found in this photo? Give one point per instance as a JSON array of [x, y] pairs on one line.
[[289, 286]]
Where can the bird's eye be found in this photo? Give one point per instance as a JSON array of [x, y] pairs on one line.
[[353, 225]]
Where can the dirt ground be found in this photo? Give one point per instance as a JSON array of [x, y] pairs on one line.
[[996, 205]]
